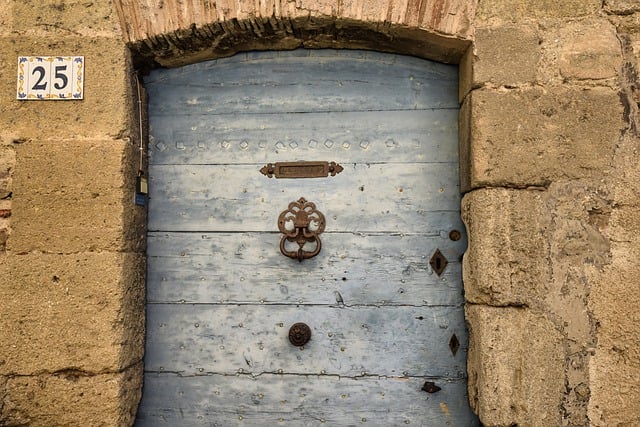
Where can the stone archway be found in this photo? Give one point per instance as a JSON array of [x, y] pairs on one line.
[[172, 34]]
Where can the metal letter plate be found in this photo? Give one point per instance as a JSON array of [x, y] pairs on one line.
[[301, 169]]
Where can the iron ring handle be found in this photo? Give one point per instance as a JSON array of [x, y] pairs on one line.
[[300, 254]]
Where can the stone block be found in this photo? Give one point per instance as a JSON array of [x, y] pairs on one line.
[[531, 137], [505, 56], [7, 165], [107, 106], [622, 7], [6, 16], [84, 18], [589, 50], [83, 312], [71, 398], [498, 11], [74, 196], [615, 365], [516, 367], [626, 181], [507, 261]]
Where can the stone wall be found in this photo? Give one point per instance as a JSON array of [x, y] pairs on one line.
[[549, 148], [71, 253], [551, 205]]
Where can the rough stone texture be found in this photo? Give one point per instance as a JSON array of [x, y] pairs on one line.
[[72, 398], [531, 137], [543, 246], [105, 110], [7, 166], [173, 33], [498, 12], [585, 52], [505, 56], [71, 312], [589, 50], [515, 367], [452, 17], [622, 7], [70, 238], [6, 16], [70, 196], [615, 394], [549, 158], [79, 17], [508, 231], [615, 295]]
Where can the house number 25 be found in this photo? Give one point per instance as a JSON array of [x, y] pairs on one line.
[[50, 77]]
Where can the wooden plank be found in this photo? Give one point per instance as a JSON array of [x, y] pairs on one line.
[[302, 84], [275, 400], [193, 339], [362, 269], [354, 137], [363, 198]]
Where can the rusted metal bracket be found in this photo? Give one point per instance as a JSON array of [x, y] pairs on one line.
[[301, 223], [301, 169]]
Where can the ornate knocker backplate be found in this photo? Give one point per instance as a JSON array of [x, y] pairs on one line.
[[301, 223]]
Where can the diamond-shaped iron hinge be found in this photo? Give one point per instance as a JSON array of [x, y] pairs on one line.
[[438, 262]]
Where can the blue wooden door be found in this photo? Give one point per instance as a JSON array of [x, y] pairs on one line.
[[383, 298]]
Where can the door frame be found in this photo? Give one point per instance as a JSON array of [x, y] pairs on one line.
[[419, 42]]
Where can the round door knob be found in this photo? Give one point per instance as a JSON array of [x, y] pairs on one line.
[[299, 334]]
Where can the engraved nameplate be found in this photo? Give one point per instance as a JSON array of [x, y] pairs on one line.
[[301, 169]]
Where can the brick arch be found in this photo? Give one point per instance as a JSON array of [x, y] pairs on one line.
[[173, 33]]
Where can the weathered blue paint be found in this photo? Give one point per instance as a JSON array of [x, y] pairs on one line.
[[220, 295]]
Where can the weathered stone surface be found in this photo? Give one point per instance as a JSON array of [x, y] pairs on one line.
[[538, 249], [622, 7], [70, 16], [506, 55], [6, 16], [106, 109], [83, 311], [533, 137], [71, 398], [589, 50], [449, 17], [499, 11], [71, 196], [516, 367], [172, 35], [507, 260], [614, 300]]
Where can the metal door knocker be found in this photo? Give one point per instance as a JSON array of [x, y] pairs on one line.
[[301, 223]]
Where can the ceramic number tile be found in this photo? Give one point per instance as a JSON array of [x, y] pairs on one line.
[[50, 77]]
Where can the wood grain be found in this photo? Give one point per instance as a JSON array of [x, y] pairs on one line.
[[220, 295]]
